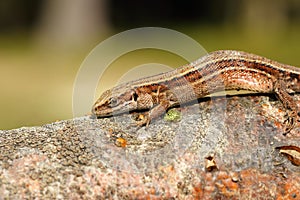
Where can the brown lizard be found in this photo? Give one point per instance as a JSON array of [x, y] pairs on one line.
[[216, 71]]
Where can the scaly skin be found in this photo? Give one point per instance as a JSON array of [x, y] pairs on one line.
[[214, 72]]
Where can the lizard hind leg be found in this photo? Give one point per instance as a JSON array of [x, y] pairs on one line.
[[289, 103]]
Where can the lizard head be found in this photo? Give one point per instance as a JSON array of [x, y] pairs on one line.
[[115, 101]]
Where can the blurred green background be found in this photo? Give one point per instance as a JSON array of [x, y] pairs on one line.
[[44, 42]]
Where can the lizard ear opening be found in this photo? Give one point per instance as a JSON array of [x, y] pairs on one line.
[[134, 96]]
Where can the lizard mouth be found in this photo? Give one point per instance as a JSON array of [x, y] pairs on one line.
[[97, 112]]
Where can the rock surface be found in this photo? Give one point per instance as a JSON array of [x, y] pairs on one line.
[[220, 148]]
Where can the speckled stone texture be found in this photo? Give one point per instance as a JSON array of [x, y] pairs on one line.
[[221, 148]]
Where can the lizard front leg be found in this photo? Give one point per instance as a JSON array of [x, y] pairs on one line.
[[154, 113], [152, 101]]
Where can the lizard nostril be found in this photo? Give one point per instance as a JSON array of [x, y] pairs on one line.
[[95, 109]]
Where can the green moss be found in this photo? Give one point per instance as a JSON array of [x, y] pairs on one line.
[[172, 115]]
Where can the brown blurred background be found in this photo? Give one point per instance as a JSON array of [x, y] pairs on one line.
[[43, 42]]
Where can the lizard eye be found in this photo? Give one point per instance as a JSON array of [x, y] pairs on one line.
[[113, 102]]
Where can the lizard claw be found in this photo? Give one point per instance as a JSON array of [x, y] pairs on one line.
[[141, 119], [290, 123]]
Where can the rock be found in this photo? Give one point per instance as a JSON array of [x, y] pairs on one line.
[[239, 138]]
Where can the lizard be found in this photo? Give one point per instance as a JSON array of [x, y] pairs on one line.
[[216, 71]]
